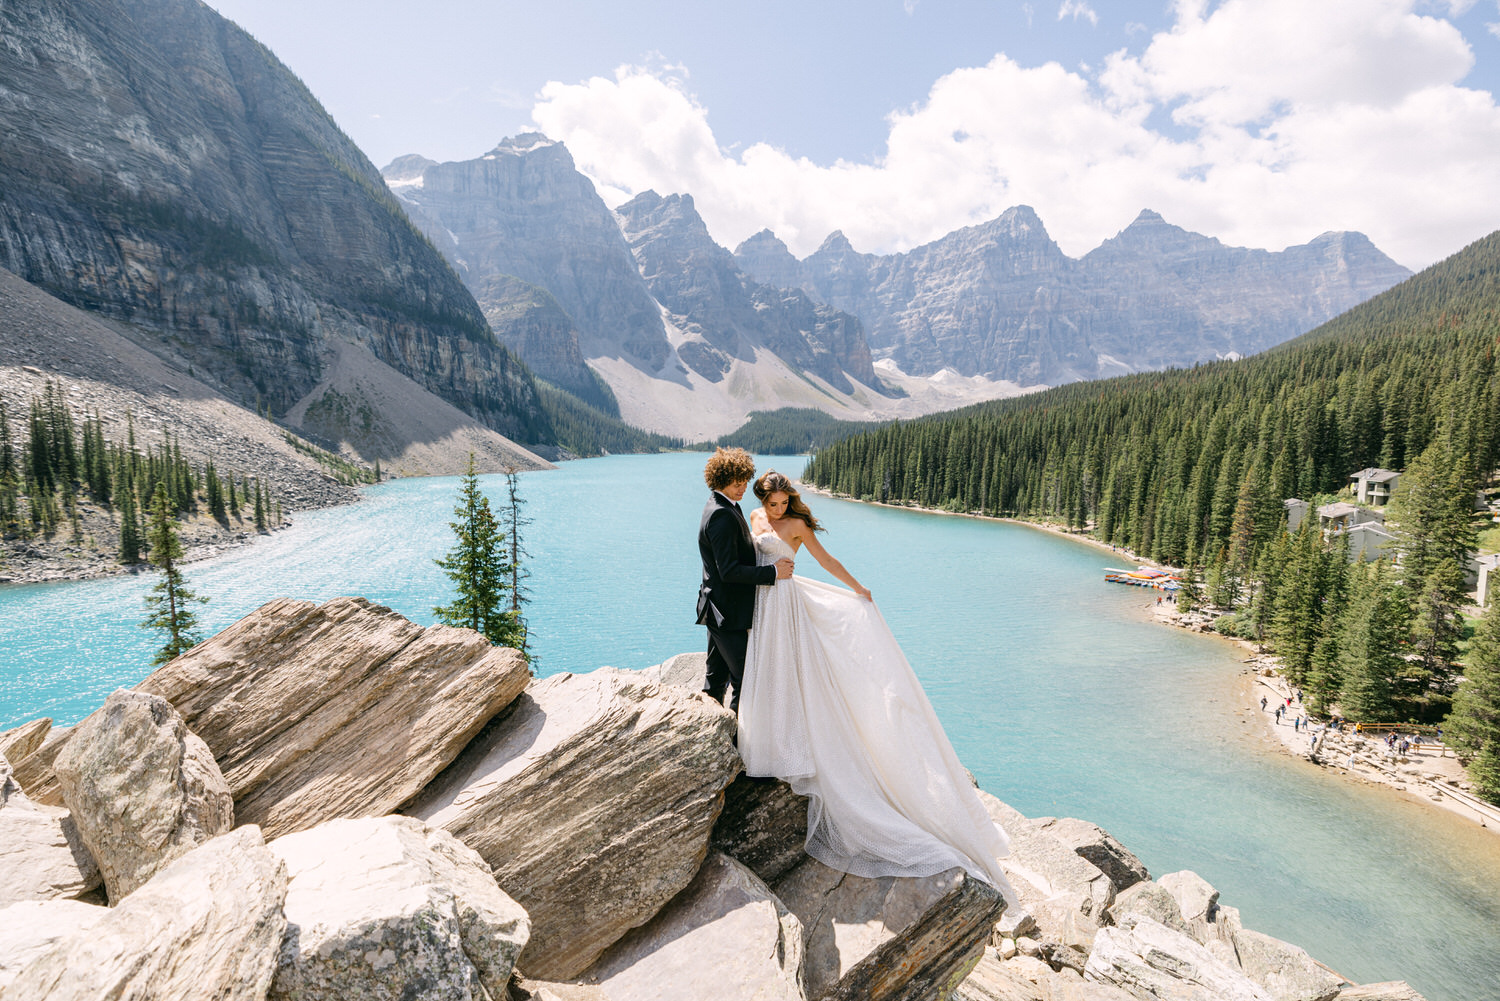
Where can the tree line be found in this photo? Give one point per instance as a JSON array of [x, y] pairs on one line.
[[1190, 468], [50, 464]]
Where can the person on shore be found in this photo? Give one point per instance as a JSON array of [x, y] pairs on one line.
[[1297, 725], [1278, 715], [1262, 703]]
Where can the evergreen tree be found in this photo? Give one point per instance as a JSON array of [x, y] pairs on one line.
[[260, 507], [1432, 511], [215, 490], [478, 568], [168, 604], [1474, 725], [10, 480], [130, 534], [1373, 627], [1436, 626], [514, 522]]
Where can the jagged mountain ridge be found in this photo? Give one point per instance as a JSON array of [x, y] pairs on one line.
[[1001, 298], [729, 315], [163, 168], [522, 224]]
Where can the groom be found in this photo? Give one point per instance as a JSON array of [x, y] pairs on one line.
[[726, 599]]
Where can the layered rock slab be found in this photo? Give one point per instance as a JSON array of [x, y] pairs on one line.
[[20, 742], [763, 826], [1154, 961], [42, 856], [209, 925], [592, 799], [1027, 979], [390, 908], [1390, 990], [889, 938], [142, 789], [344, 709], [725, 938]]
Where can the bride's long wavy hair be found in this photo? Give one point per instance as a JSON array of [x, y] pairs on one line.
[[773, 482]]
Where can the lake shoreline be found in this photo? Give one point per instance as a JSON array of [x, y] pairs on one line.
[[1436, 780]]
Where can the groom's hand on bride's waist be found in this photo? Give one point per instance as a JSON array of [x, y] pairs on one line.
[[783, 568]]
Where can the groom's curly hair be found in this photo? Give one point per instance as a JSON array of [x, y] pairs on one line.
[[727, 466]]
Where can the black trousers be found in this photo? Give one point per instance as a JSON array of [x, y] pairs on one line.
[[726, 663]]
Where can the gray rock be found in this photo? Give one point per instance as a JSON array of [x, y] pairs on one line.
[[893, 937], [32, 927], [685, 670], [763, 826], [527, 989], [142, 789], [725, 937], [1390, 990], [209, 925], [344, 709], [1097, 846], [1030, 980], [1147, 900], [20, 742], [1064, 893], [42, 856], [593, 800], [34, 772], [389, 908], [1196, 898], [1151, 960], [1283, 969]]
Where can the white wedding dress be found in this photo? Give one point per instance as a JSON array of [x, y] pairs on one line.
[[831, 705]]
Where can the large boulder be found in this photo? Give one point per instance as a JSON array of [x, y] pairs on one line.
[[21, 742], [1151, 960], [34, 772], [1196, 897], [593, 799], [42, 856], [29, 929], [1283, 969], [207, 926], [344, 709], [725, 938], [888, 938], [389, 908], [1147, 900], [763, 826], [142, 789], [1097, 846]]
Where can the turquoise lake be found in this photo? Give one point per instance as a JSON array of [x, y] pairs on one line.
[[1056, 691]]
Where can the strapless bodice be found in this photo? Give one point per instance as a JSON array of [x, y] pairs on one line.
[[770, 547]]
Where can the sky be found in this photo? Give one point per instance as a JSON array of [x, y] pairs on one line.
[[1260, 122]]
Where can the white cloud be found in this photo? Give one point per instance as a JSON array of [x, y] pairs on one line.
[[1290, 119], [1077, 9]]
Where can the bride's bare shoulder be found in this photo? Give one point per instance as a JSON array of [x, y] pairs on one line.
[[758, 518]]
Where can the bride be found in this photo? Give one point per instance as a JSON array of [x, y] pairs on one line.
[[832, 707]]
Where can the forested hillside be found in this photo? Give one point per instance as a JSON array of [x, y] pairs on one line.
[[1158, 462]]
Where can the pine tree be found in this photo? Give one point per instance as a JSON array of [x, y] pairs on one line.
[[10, 480], [1373, 627], [130, 534], [1433, 513], [1436, 626], [477, 567], [515, 521], [260, 507], [215, 490], [168, 604], [1474, 725]]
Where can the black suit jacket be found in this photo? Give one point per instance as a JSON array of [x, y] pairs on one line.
[[726, 599]]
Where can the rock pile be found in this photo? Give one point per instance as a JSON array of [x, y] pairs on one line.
[[332, 802]]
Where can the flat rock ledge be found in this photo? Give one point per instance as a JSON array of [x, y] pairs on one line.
[[593, 799], [142, 789]]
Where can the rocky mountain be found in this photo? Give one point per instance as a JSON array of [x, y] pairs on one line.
[[1001, 299], [161, 167], [726, 313], [644, 301], [523, 226]]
